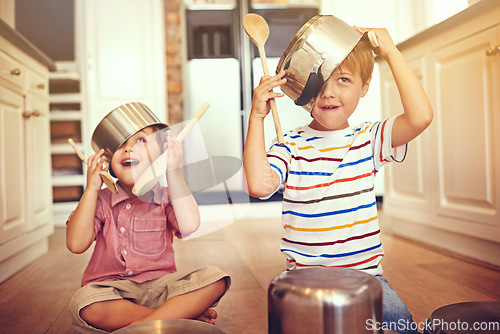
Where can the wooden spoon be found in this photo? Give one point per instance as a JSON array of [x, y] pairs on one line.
[[158, 168], [257, 29], [105, 176]]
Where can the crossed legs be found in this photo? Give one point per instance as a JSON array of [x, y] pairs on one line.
[[114, 314]]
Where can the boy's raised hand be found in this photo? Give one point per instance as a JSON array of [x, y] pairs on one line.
[[386, 44], [95, 166], [263, 93], [417, 110]]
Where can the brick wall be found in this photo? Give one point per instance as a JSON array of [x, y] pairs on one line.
[[173, 35]]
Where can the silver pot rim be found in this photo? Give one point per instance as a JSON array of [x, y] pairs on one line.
[[315, 62]]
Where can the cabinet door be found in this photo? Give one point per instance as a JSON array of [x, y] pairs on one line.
[[38, 161], [407, 188], [12, 163], [467, 129]]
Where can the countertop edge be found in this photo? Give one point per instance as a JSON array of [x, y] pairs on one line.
[[453, 21], [25, 45]]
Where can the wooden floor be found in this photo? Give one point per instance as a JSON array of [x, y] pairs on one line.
[[35, 300]]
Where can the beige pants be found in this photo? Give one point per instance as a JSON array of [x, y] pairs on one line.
[[151, 293]]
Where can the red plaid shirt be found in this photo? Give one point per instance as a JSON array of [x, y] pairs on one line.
[[133, 237]]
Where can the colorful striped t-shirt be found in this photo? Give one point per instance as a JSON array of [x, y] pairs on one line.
[[329, 205]]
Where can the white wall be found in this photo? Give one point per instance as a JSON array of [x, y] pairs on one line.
[[123, 51], [403, 18], [7, 12]]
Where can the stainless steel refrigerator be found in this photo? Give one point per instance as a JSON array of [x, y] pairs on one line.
[[222, 67]]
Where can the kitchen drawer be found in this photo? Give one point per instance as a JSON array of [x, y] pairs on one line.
[[66, 163], [60, 131], [38, 84], [64, 86], [61, 106], [12, 72], [67, 193]]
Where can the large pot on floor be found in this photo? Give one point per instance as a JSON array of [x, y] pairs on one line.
[[325, 300]]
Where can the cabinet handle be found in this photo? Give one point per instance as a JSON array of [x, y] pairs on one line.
[[15, 71], [34, 113], [41, 86], [493, 51]]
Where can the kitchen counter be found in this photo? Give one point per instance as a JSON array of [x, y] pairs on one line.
[[25, 45], [466, 19]]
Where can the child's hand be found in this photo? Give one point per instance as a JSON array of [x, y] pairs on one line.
[[386, 44], [95, 166], [175, 152], [263, 93]]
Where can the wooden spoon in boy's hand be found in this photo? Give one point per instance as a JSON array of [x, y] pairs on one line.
[[257, 29], [105, 176], [150, 177]]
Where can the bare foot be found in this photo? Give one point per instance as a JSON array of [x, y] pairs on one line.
[[208, 316]]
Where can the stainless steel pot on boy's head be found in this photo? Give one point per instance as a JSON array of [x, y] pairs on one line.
[[120, 124], [312, 55]]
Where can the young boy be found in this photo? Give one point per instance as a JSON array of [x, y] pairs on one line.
[[131, 277], [328, 167]]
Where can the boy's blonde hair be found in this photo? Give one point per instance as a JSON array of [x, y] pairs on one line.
[[360, 60]]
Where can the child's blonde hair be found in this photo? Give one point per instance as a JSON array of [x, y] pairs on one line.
[[360, 60]]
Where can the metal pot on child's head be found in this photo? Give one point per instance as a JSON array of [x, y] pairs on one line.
[[120, 124], [313, 54]]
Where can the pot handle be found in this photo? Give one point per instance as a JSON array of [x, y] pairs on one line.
[[312, 85], [309, 90]]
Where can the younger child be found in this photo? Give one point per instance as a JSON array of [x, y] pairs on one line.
[[131, 277], [328, 167]]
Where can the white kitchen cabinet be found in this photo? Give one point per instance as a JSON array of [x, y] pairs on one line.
[[25, 179], [12, 157], [38, 167], [467, 123], [447, 192]]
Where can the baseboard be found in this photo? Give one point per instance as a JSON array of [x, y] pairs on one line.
[[15, 263], [478, 249]]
